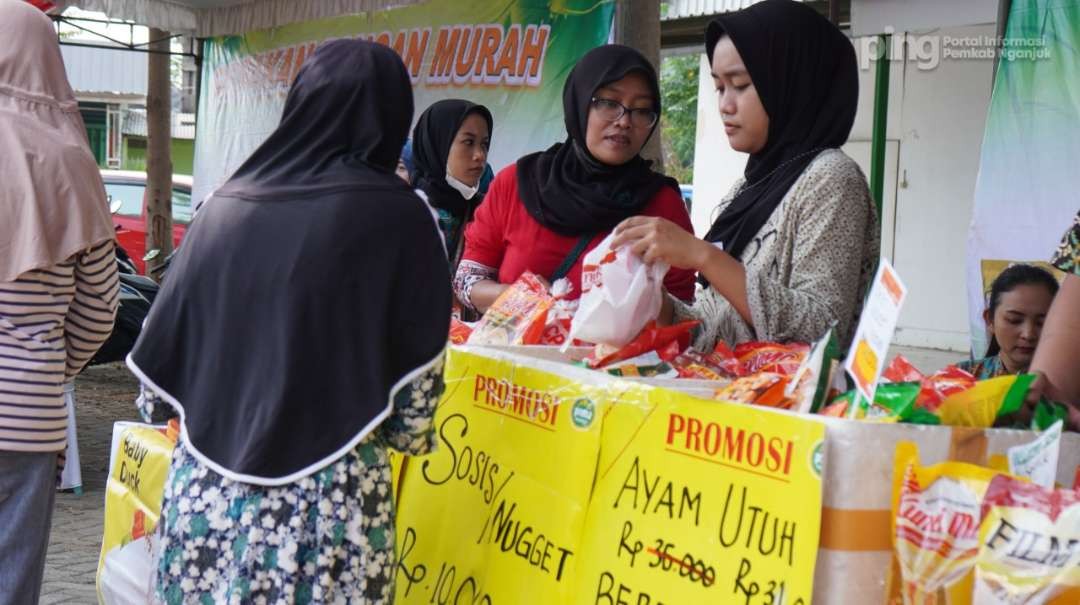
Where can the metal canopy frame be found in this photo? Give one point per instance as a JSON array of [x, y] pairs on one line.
[[130, 46], [75, 22]]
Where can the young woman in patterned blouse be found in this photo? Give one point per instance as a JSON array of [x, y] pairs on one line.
[[795, 244]]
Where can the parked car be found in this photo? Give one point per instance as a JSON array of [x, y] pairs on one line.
[[129, 188]]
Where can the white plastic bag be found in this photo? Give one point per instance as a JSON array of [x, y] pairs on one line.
[[619, 295]]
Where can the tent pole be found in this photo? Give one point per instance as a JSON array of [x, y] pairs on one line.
[[1004, 8], [881, 115], [159, 231]]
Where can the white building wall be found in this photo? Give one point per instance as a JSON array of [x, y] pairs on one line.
[[934, 134], [943, 118]]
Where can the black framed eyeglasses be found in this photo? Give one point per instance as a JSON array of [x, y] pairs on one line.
[[612, 111]]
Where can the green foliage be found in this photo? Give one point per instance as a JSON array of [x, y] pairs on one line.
[[678, 123]]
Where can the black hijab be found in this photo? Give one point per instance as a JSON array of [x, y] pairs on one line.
[[804, 70], [565, 188], [432, 138], [311, 288]]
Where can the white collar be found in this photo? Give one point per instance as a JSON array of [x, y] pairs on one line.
[[465, 191]]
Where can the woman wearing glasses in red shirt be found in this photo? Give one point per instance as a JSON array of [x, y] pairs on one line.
[[544, 213]]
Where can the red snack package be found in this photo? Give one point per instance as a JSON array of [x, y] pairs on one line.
[[901, 370], [724, 359], [518, 315], [1027, 547], [459, 331], [771, 357], [664, 340], [947, 382], [721, 364], [697, 371], [561, 315]]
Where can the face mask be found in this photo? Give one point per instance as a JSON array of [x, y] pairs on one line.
[[465, 191]]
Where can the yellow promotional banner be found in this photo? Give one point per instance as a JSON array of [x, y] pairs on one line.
[[140, 457], [497, 513], [556, 485], [702, 502]]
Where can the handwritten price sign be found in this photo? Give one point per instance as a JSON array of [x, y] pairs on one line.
[[496, 514], [576, 488], [701, 502]]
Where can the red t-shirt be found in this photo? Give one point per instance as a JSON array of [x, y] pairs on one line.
[[504, 235]]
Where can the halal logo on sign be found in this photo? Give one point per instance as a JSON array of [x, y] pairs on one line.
[[817, 458], [583, 413]]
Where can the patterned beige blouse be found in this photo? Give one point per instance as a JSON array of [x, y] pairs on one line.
[[808, 266]]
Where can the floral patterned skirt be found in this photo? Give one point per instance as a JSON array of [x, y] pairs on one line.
[[327, 538]]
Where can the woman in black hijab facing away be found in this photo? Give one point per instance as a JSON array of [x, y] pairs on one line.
[[293, 371], [795, 243], [449, 151]]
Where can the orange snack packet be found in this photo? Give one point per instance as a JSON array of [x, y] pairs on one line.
[[763, 388], [936, 518], [518, 316], [459, 331], [771, 357]]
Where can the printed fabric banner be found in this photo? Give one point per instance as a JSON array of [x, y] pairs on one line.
[[510, 55], [552, 484], [1025, 196]]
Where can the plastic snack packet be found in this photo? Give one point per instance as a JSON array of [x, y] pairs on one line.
[[771, 357], [649, 365], [459, 331], [763, 388], [517, 317], [935, 388], [901, 370], [652, 338], [1047, 413], [809, 386], [981, 405], [620, 294], [936, 517], [893, 402], [557, 328], [949, 381], [1029, 545], [720, 364], [688, 368]]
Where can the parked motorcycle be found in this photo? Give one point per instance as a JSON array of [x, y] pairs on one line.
[[137, 293]]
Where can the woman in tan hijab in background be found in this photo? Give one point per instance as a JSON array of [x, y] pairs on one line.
[[58, 283]]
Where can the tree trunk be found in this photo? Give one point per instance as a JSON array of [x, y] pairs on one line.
[[637, 25], [158, 150]]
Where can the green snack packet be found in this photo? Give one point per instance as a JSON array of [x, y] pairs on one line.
[[1014, 398], [1047, 413], [920, 415], [893, 402]]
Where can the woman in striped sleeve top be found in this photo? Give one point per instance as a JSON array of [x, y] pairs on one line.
[[58, 282]]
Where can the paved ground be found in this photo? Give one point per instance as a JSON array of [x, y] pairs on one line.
[[106, 394], [103, 395]]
